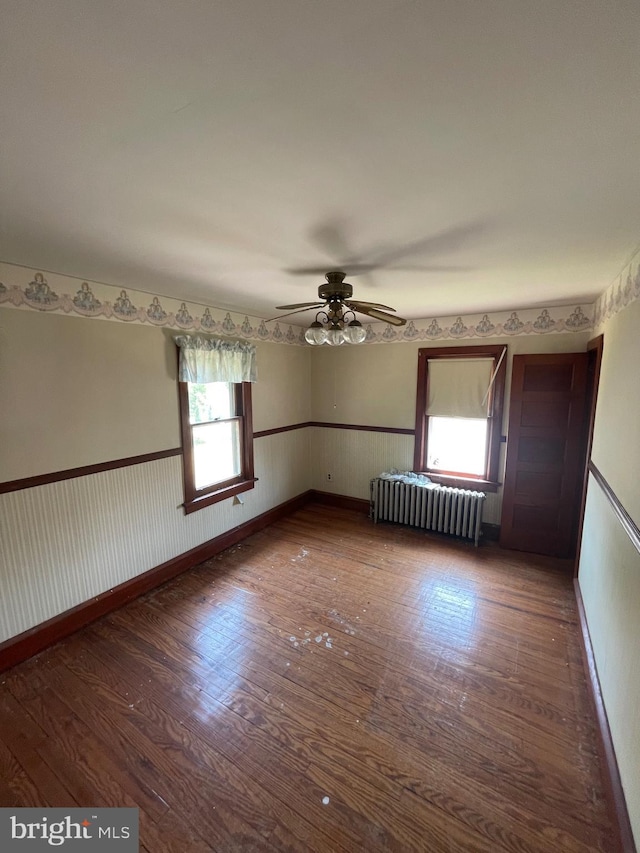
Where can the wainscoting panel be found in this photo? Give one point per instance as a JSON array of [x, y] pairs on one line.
[[282, 468], [353, 457], [65, 542], [609, 580], [492, 507]]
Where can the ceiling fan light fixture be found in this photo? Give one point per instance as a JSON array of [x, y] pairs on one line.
[[331, 325], [355, 333], [316, 334]]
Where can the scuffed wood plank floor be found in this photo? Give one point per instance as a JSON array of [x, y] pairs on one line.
[[327, 685]]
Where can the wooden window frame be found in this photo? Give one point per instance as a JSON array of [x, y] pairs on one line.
[[195, 499], [490, 481]]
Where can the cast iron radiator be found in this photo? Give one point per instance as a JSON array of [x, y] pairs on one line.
[[440, 508]]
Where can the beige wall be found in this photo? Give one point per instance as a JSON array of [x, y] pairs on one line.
[[609, 572], [78, 391], [375, 385], [616, 440], [282, 394]]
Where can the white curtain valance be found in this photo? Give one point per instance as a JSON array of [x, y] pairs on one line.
[[458, 387], [204, 360]]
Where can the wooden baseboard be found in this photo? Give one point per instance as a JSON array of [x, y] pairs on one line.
[[340, 501], [36, 639], [490, 532], [613, 783]]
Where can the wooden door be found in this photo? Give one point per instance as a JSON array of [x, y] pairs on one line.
[[545, 453]]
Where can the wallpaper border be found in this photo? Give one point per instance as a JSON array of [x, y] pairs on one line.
[[622, 292], [31, 290]]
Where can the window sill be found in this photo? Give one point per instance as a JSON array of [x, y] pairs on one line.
[[222, 494], [477, 485]]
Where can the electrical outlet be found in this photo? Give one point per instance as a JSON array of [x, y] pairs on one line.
[[328, 476]]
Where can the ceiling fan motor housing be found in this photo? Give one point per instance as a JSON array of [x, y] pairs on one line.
[[335, 288]]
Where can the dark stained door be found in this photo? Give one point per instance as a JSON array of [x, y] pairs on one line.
[[545, 453]]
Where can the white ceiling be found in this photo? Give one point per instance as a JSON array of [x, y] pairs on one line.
[[485, 153]]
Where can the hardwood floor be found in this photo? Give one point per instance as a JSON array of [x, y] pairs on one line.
[[326, 685]]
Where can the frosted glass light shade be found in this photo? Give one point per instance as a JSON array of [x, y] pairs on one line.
[[354, 333], [316, 334], [335, 336]]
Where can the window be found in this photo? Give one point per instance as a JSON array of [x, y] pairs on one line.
[[457, 444], [216, 441], [459, 405], [214, 390]]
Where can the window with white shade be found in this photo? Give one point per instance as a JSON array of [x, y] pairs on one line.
[[459, 412]]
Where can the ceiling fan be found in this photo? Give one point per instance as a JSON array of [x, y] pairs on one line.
[[331, 325]]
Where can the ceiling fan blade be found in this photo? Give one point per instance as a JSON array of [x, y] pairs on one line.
[[350, 269], [443, 242], [329, 237], [307, 270], [362, 269], [308, 307], [299, 305], [380, 315], [444, 268], [355, 303]]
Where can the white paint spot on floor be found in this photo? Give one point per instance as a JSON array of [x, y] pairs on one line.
[[288, 664], [325, 634], [307, 633], [319, 638], [292, 639], [346, 654], [325, 801], [296, 644], [328, 645]]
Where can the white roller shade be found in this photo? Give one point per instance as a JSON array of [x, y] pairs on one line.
[[457, 387]]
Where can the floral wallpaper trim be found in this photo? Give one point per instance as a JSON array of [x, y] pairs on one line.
[[35, 291], [105, 302], [624, 290]]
